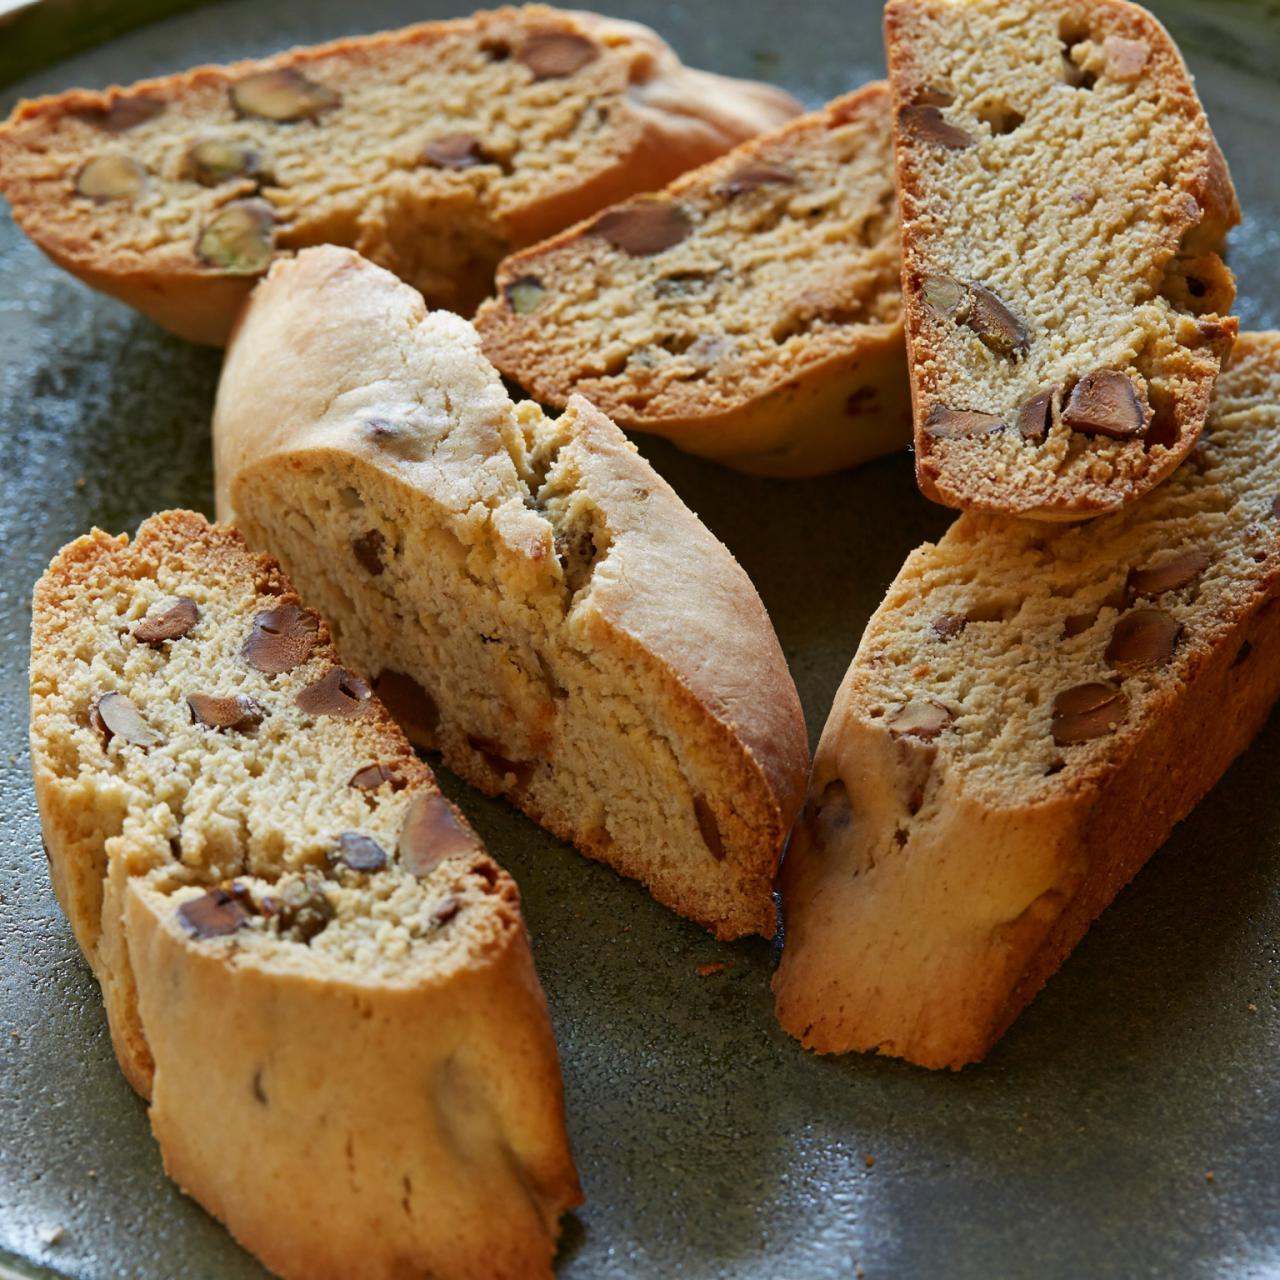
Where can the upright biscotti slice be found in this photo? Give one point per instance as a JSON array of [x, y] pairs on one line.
[[310, 965], [434, 150], [749, 312], [1028, 715], [1063, 206], [527, 594]]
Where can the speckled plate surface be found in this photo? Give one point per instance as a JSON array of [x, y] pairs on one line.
[[1128, 1125]]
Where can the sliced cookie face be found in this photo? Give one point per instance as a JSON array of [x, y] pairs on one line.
[[1064, 207], [750, 311], [277, 900], [178, 195], [1028, 715]]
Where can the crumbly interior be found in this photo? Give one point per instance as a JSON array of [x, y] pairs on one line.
[[484, 603], [789, 258], [1055, 155], [257, 811], [980, 634], [421, 150]]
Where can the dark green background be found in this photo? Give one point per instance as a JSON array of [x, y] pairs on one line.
[[709, 1143]]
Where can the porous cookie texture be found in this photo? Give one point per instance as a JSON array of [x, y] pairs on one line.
[[750, 312], [310, 965], [527, 594], [1029, 713], [434, 150], [1063, 207]]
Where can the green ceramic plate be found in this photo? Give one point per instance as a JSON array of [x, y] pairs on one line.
[[709, 1143]]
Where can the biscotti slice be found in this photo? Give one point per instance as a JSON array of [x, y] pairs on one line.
[[750, 312], [310, 965], [1029, 713], [434, 150], [1063, 208], [527, 595]]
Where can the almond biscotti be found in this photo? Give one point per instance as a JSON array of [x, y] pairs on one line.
[[311, 967], [1063, 209], [750, 312], [527, 594], [434, 150], [1029, 713]]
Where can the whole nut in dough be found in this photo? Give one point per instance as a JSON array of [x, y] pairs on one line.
[[525, 295], [338, 692], [235, 711], [215, 914], [1171, 575], [1143, 638], [919, 718], [283, 95], [644, 227], [115, 716], [171, 621], [1087, 711], [1105, 403], [214, 161], [240, 239], [432, 833], [925, 122], [111, 177], [551, 55], [281, 639], [953, 424]]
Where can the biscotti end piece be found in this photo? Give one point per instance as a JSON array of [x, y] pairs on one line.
[[311, 967], [527, 593], [750, 312], [434, 150], [1030, 712], [1063, 206]]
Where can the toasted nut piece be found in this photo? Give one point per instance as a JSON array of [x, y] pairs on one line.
[[551, 55], [943, 293], [432, 833], [919, 718], [1154, 580], [372, 776], [281, 639], [368, 548], [1126, 59], [214, 914], [1105, 403], [1035, 415], [1087, 711], [925, 122], [996, 326], [360, 853], [284, 95], [123, 115], [215, 160], [111, 177], [448, 908], [411, 706], [115, 716], [643, 227], [338, 692], [301, 908], [947, 626], [237, 711], [170, 621], [708, 827], [934, 95], [952, 424], [752, 176], [456, 151], [525, 295], [240, 239], [1143, 638]]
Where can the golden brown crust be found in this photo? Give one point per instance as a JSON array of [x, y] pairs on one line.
[[665, 623], [252, 1044], [940, 877], [1017, 86], [443, 228], [830, 392]]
